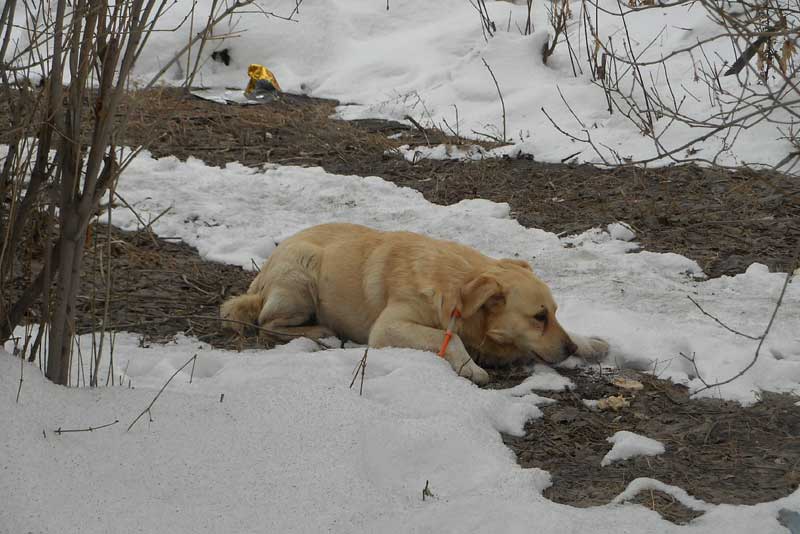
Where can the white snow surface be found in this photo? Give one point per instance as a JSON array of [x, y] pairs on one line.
[[289, 449], [630, 445], [646, 484], [424, 59], [292, 449]]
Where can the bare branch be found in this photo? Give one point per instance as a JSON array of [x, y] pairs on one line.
[[160, 391], [723, 325], [500, 94]]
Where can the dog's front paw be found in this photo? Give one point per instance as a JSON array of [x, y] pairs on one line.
[[591, 348], [474, 372]]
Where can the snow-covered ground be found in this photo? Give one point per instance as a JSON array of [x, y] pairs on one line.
[[292, 449], [425, 59]]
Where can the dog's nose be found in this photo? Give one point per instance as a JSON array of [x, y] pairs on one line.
[[570, 348]]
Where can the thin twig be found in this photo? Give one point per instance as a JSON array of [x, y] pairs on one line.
[[753, 361], [723, 325], [362, 366], [149, 406], [500, 93], [21, 367], [145, 225], [419, 127], [426, 492], [60, 431], [191, 374]]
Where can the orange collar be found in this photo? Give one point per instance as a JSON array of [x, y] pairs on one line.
[[448, 335]]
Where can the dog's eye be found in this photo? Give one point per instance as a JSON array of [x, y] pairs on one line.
[[541, 316]]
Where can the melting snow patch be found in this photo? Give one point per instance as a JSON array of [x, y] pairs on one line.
[[628, 445], [543, 378], [647, 484], [621, 231], [441, 152]]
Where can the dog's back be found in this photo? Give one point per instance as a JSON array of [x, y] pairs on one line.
[[347, 273]]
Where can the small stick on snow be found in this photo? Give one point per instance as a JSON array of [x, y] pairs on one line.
[[191, 374], [149, 406], [761, 338], [500, 93], [362, 366], [723, 325], [21, 367], [426, 492], [60, 431]]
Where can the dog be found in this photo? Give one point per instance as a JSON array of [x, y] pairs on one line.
[[401, 289]]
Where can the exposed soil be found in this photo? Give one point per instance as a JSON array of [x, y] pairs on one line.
[[716, 451], [159, 288]]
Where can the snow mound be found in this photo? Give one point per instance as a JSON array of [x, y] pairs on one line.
[[629, 445]]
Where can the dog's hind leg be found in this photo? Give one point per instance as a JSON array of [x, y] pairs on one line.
[[287, 310], [238, 312]]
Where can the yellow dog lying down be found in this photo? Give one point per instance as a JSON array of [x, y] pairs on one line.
[[400, 289]]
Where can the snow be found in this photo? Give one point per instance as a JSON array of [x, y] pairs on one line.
[[425, 59], [649, 484], [441, 151], [290, 448], [542, 378], [630, 445], [621, 231]]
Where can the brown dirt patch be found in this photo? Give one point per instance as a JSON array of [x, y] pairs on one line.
[[159, 288], [717, 451]]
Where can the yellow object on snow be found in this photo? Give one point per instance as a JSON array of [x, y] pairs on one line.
[[257, 73]]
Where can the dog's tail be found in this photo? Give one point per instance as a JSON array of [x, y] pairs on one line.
[[238, 312]]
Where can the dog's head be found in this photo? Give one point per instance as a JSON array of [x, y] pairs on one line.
[[519, 311]]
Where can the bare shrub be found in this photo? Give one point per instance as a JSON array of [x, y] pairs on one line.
[[763, 36], [64, 74]]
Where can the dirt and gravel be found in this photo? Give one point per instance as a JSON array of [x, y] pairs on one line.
[[717, 451]]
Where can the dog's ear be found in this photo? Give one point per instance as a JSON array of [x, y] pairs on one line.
[[483, 290], [522, 263]]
